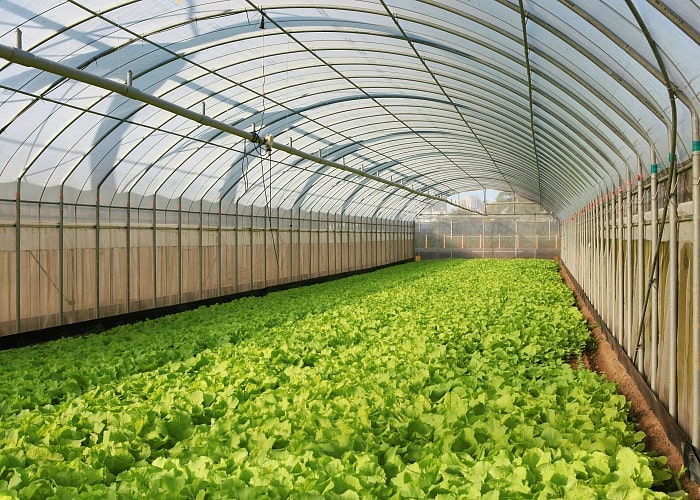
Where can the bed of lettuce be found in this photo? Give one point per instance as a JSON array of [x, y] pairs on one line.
[[427, 380]]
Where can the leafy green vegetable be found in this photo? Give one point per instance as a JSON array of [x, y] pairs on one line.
[[433, 379]]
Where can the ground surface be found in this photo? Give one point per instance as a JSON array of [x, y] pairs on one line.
[[604, 360]]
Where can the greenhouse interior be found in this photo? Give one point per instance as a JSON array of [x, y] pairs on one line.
[[335, 249]]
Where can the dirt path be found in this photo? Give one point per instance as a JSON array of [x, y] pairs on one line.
[[604, 360]]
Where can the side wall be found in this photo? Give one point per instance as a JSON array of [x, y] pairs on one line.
[[609, 249], [72, 264]]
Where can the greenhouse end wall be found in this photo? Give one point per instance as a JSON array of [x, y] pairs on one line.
[[69, 264], [508, 230]]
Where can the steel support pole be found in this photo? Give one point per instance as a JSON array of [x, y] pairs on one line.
[[201, 250], [264, 251], [619, 261], [609, 270], [61, 250], [603, 275], [640, 265], [654, 347], [595, 271], [589, 262], [154, 270], [291, 245], [219, 251], [695, 408], [673, 292], [601, 279], [179, 250], [236, 241], [629, 295], [97, 255], [18, 259], [252, 248], [128, 252]]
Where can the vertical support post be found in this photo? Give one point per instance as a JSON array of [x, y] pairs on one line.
[[452, 242], [128, 252], [252, 249], [588, 263], [482, 241], [595, 237], [18, 259], [97, 254], [179, 250], [61, 248], [220, 252], [266, 212], [654, 347], [354, 241], [620, 295], [605, 264], [673, 287], [279, 259], [629, 311], [238, 250], [154, 271], [609, 241], [291, 245], [335, 243], [315, 237], [18, 38], [602, 274], [201, 250], [639, 355], [695, 408]]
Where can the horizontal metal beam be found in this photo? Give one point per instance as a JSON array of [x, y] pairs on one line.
[[28, 59]]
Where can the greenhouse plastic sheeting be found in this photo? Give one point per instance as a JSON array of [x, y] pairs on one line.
[[425, 97]]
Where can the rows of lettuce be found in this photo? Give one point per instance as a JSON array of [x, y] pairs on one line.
[[441, 379]]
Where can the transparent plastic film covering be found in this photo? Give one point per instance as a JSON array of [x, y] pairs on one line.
[[554, 100]]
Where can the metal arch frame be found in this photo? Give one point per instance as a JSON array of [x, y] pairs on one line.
[[442, 89], [588, 55], [528, 70], [322, 103], [676, 19], [246, 11], [27, 59], [313, 53], [322, 175]]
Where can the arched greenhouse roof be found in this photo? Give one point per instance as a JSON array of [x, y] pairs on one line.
[[373, 107]]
